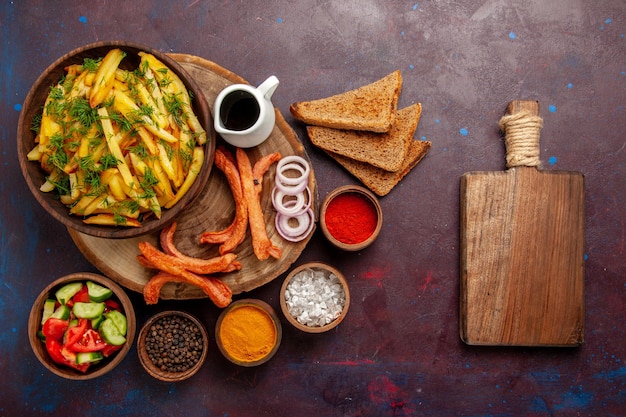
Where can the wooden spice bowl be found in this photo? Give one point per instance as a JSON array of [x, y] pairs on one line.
[[33, 106], [144, 357], [368, 196], [34, 327], [266, 317], [327, 270]]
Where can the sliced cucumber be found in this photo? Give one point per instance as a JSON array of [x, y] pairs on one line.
[[48, 309], [88, 310], [119, 320], [62, 312], [66, 292], [88, 357], [98, 293], [95, 323], [111, 334]]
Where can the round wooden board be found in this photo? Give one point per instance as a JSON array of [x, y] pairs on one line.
[[213, 210]]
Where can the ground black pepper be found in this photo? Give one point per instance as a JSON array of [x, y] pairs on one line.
[[174, 344]]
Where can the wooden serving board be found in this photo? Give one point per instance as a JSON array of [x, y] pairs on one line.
[[213, 210], [522, 266]]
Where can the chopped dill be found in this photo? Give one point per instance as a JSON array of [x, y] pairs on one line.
[[174, 105], [168, 148], [87, 164], [124, 124], [62, 185], [107, 161], [131, 206], [56, 93], [140, 150], [81, 111], [92, 179], [119, 219], [35, 124], [58, 157], [91, 64], [149, 180]]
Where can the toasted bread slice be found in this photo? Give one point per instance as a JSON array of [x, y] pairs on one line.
[[371, 107], [378, 180], [383, 150]]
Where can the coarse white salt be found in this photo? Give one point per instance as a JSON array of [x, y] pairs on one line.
[[315, 297]]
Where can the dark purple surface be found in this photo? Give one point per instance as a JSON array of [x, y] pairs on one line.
[[398, 352]]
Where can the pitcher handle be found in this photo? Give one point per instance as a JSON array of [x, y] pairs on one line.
[[268, 87]]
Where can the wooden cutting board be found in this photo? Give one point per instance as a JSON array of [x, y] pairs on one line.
[[522, 238]]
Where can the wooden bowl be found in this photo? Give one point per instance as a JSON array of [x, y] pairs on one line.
[[151, 367], [33, 105], [34, 326], [266, 318], [347, 220], [327, 270]]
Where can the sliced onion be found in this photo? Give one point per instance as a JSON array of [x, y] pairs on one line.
[[298, 207], [292, 162], [303, 224], [291, 189], [291, 207], [306, 222]]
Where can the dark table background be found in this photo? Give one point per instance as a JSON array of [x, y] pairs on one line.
[[398, 352]]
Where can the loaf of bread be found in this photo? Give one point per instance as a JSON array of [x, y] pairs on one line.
[[383, 150], [378, 180], [371, 107]]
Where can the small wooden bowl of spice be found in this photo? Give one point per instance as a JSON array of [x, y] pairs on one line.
[[315, 297], [351, 217], [248, 332], [172, 346]]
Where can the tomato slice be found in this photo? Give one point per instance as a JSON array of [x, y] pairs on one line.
[[70, 360], [108, 350], [82, 296], [54, 328], [112, 305], [75, 333], [89, 342], [53, 347]]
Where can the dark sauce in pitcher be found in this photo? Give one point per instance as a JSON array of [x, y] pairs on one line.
[[239, 110]]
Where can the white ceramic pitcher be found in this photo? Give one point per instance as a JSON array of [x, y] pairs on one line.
[[244, 115]]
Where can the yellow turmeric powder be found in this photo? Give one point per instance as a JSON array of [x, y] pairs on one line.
[[247, 333]]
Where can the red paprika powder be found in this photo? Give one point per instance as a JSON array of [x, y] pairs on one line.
[[351, 218]]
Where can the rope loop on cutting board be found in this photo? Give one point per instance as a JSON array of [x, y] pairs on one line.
[[521, 136]]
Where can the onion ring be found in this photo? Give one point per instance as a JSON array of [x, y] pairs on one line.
[[291, 189], [291, 207], [303, 223], [292, 162], [295, 234]]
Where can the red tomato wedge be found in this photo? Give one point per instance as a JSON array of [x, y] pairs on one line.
[[54, 328], [89, 342], [75, 333], [81, 296]]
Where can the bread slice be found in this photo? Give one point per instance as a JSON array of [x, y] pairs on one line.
[[383, 150], [378, 180], [371, 107]]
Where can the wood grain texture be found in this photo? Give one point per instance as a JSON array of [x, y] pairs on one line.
[[213, 210], [522, 258]]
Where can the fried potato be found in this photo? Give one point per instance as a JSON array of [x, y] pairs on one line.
[[100, 117], [105, 76]]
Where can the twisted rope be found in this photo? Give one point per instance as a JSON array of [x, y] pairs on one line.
[[521, 136]]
